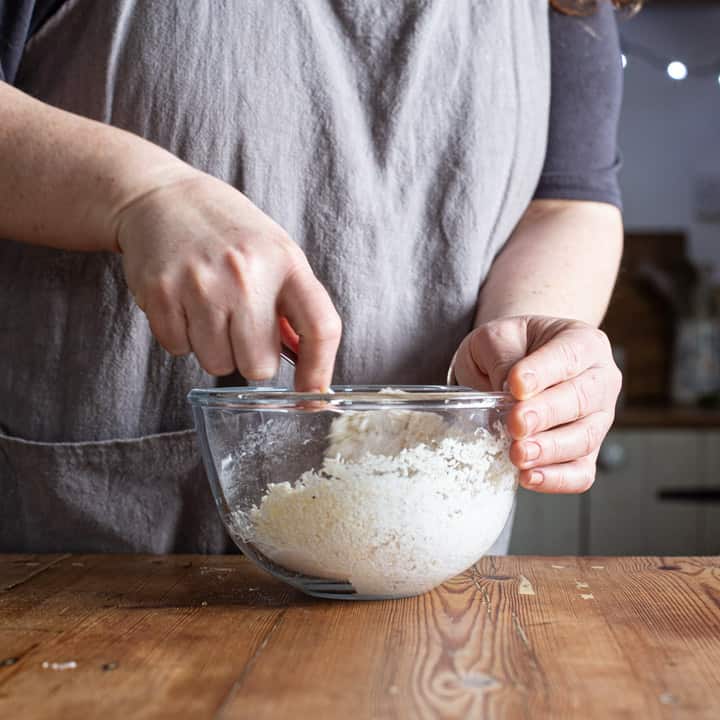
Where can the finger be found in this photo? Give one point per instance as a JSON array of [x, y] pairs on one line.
[[207, 329], [288, 335], [306, 304], [564, 478], [464, 371], [253, 332], [167, 319], [593, 391], [563, 444], [563, 357], [494, 348], [169, 326], [255, 339]]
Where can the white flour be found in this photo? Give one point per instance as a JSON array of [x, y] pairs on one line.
[[401, 503]]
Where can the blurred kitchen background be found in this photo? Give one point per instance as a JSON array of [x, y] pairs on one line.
[[658, 485]]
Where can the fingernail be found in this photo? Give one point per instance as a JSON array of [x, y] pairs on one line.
[[535, 479], [261, 375], [529, 382], [532, 450], [532, 421]]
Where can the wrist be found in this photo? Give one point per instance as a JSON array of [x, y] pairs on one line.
[[136, 190], [493, 312]]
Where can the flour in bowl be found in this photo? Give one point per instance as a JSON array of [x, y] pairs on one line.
[[403, 501]]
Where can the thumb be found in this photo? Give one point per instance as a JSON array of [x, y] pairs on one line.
[[464, 371], [495, 347]]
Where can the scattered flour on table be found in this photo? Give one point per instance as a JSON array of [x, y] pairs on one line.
[[70, 665], [402, 502]]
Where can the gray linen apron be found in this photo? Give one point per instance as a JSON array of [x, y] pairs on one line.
[[398, 142]]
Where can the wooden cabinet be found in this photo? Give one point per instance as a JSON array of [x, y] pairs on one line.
[[711, 515], [623, 514], [547, 524], [626, 515]]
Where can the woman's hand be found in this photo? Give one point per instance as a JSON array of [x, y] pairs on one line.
[[564, 375], [215, 275]]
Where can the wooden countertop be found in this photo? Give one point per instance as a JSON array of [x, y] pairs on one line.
[[213, 637]]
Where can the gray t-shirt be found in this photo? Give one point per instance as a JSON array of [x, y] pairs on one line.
[[582, 159]]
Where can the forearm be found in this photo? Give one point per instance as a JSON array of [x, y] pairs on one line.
[[64, 178], [561, 261]]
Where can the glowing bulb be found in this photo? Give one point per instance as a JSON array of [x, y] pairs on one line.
[[623, 59], [677, 70]]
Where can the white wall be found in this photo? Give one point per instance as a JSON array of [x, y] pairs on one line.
[[669, 130]]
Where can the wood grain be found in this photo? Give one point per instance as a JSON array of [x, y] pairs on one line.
[[213, 637]]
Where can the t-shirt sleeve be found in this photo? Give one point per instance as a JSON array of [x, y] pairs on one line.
[[15, 19], [582, 158], [19, 19]]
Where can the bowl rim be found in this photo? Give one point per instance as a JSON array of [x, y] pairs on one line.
[[350, 396]]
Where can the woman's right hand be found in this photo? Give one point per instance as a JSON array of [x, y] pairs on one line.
[[214, 274]]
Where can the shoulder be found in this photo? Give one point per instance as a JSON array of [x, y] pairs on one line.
[[582, 157], [585, 45]]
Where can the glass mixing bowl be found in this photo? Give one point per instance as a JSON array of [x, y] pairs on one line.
[[363, 492]]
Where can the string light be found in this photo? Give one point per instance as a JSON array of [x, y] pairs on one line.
[[674, 68], [677, 70]]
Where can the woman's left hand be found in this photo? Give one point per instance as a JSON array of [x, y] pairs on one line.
[[563, 374]]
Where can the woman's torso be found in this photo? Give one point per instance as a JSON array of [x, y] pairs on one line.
[[398, 143]]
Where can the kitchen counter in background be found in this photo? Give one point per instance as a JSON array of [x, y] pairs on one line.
[[666, 416], [657, 492], [213, 637]]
